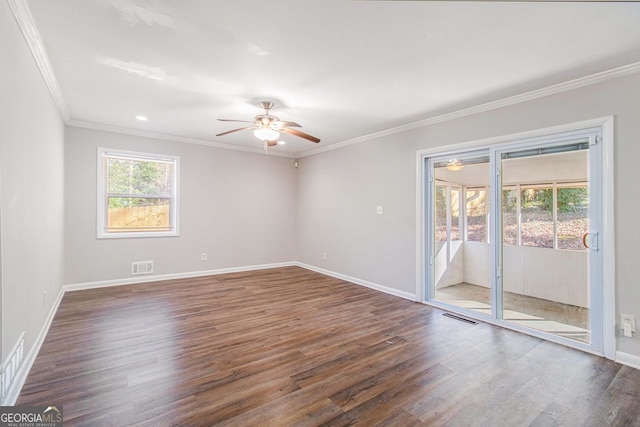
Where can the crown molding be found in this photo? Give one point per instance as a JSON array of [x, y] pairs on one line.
[[25, 21], [589, 80], [169, 137]]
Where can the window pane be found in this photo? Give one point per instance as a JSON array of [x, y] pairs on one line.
[[138, 214], [128, 176], [476, 215], [537, 217], [455, 214], [573, 208], [441, 213], [510, 216]]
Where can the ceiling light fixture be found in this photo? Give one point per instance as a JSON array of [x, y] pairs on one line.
[[266, 134], [141, 118], [454, 165]]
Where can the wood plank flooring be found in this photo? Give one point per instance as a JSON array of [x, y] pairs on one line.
[[292, 347]]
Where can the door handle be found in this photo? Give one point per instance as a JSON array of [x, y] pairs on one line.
[[595, 239]]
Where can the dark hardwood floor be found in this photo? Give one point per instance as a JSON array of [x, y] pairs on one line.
[[291, 347]]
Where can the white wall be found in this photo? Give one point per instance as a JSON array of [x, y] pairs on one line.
[[476, 264], [449, 267], [338, 190], [554, 275], [238, 207], [32, 193]]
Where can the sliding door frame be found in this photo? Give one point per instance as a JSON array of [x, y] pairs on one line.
[[602, 126]]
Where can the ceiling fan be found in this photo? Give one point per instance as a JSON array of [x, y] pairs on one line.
[[267, 128]]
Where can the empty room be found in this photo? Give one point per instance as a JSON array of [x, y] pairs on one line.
[[319, 212]]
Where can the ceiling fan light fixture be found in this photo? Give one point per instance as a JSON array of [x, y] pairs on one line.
[[266, 134], [455, 165]]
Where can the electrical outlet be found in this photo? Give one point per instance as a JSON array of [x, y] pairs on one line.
[[324, 256], [628, 318], [380, 210], [203, 257]]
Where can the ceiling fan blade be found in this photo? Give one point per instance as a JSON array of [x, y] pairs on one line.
[[231, 120], [272, 143], [282, 124], [300, 134], [234, 130]]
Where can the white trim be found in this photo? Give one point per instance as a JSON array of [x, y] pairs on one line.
[[29, 30], [11, 397], [608, 227], [589, 80], [420, 219], [357, 281], [519, 136], [161, 277], [174, 138], [608, 245], [628, 359]]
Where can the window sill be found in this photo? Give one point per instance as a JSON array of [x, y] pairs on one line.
[[137, 234]]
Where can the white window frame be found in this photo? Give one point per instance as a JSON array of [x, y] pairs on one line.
[[102, 216]]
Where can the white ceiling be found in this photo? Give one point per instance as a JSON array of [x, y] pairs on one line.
[[342, 69]]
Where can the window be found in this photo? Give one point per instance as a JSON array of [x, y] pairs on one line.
[[455, 214], [476, 204], [510, 215], [528, 215], [537, 216], [447, 215], [441, 213], [573, 216], [137, 194]]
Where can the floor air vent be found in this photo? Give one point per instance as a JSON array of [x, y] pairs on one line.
[[460, 318], [141, 267]]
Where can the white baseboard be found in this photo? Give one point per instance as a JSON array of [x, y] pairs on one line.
[[11, 397], [160, 277], [375, 286], [628, 359]]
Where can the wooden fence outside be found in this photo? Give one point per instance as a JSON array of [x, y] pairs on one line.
[[139, 218]]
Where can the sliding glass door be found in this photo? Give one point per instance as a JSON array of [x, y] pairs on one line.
[[512, 236]]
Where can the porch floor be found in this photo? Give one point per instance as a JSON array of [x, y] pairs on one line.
[[544, 315]]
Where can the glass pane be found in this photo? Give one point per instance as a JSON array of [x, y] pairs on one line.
[[510, 216], [455, 214], [127, 176], [461, 267], [573, 218], [477, 215], [441, 214], [545, 288], [537, 217], [138, 214]]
